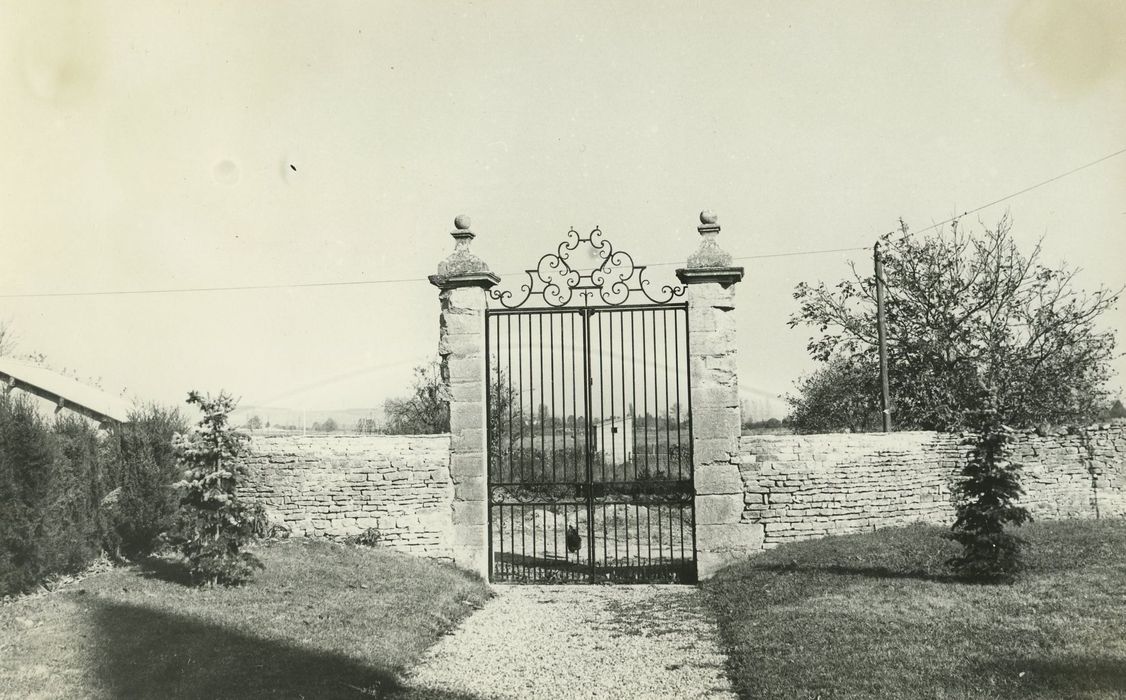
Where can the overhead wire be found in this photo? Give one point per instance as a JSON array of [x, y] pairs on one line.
[[402, 280]]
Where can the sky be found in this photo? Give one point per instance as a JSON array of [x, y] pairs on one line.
[[173, 145]]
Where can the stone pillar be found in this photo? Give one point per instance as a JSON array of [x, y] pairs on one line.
[[464, 280], [712, 363]]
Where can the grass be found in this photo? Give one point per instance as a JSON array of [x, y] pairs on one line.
[[323, 620], [880, 616]]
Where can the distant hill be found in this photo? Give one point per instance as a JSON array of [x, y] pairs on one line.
[[345, 418]]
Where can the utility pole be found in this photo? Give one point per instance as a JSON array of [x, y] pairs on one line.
[[881, 329]]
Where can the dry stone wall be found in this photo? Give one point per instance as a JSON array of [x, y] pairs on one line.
[[336, 485], [1076, 473], [804, 486], [792, 486]]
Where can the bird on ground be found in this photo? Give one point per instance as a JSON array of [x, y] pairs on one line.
[[574, 541]]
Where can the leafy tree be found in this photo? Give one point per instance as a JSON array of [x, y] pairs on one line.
[[367, 425], [843, 394], [965, 311], [426, 411], [215, 524], [254, 423], [1117, 410], [329, 425], [505, 410]]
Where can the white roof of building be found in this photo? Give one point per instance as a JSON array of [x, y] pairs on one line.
[[51, 386]]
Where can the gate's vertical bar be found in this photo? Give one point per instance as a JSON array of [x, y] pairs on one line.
[[542, 407], [508, 398], [520, 388], [588, 384], [644, 387], [656, 401], [691, 436], [601, 432], [668, 443], [574, 400], [531, 409], [491, 458], [679, 438], [551, 355], [714, 394], [613, 423], [554, 478], [612, 563], [679, 408], [563, 389]]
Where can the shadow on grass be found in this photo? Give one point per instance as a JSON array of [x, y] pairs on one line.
[[1068, 677], [141, 652], [877, 572], [170, 570]]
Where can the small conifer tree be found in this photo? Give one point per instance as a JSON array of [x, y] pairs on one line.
[[214, 524], [984, 503]]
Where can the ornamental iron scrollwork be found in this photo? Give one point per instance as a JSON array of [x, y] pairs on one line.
[[560, 282]]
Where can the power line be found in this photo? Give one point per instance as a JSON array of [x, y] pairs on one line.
[[352, 283], [346, 283], [234, 288], [1019, 192]]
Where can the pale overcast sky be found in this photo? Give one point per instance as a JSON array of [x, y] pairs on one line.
[[148, 146]]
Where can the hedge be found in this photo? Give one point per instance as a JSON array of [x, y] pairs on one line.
[[67, 492]]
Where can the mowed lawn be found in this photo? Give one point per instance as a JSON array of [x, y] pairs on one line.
[[322, 621], [878, 616]]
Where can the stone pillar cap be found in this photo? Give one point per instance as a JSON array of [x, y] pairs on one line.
[[710, 263], [462, 268]]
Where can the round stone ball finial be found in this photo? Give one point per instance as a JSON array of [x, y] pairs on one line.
[[708, 217], [461, 222]]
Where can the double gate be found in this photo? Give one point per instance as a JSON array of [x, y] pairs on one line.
[[589, 424]]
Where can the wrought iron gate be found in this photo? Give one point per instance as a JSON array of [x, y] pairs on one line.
[[589, 424]]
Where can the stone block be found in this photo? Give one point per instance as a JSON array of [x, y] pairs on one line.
[[468, 440], [472, 558], [466, 415], [467, 534], [706, 296], [435, 520], [717, 479], [468, 298], [711, 396], [716, 422], [462, 344], [466, 515], [466, 368], [735, 536], [717, 509], [468, 392], [711, 450], [470, 488], [467, 465]]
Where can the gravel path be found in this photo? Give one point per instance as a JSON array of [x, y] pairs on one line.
[[579, 641]]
